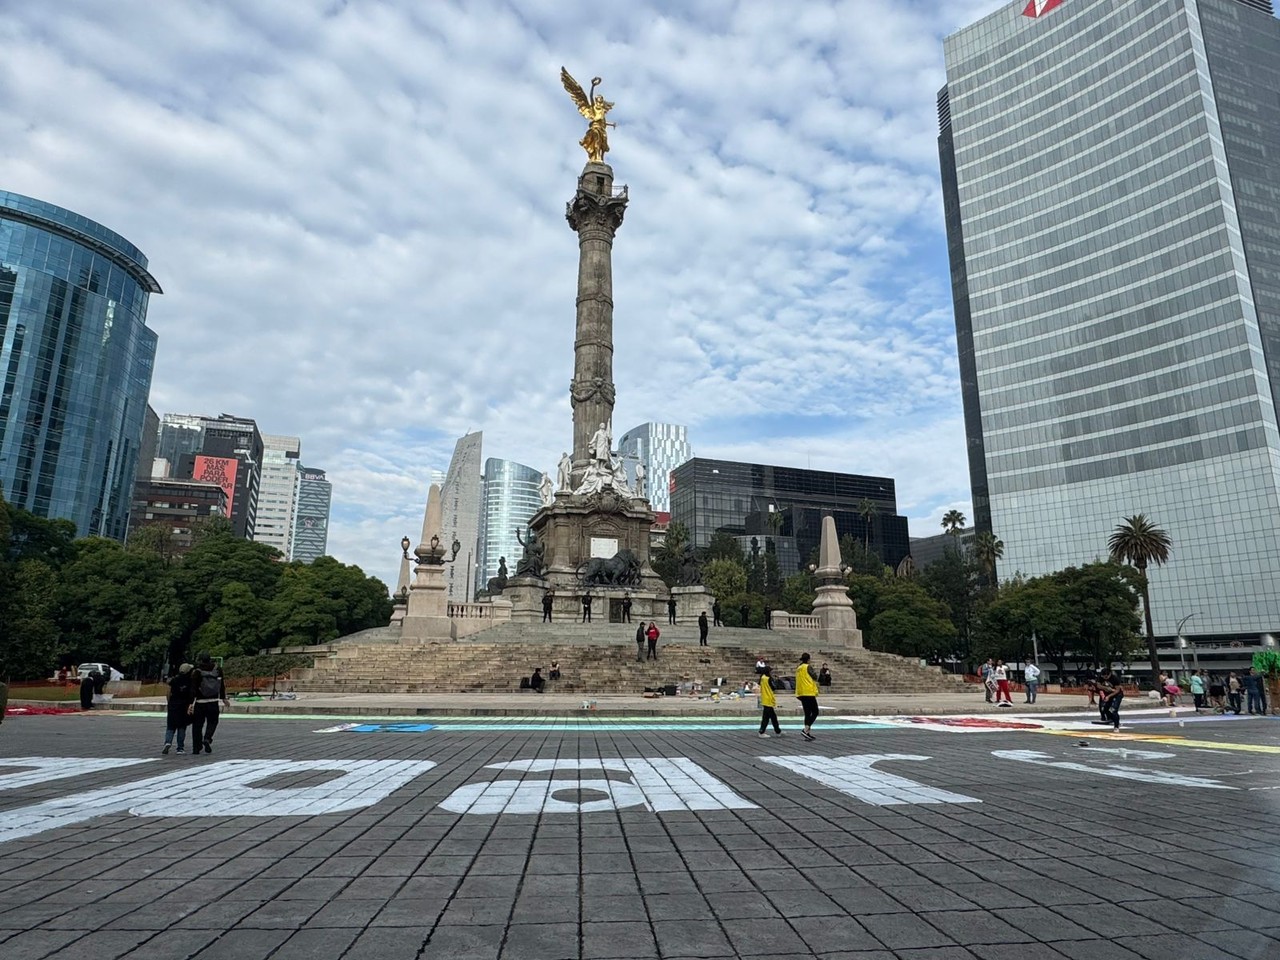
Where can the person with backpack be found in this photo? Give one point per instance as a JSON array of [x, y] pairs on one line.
[[177, 713], [207, 682]]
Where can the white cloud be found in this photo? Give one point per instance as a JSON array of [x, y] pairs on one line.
[[356, 211]]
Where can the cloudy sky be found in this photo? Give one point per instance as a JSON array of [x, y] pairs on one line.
[[356, 210]]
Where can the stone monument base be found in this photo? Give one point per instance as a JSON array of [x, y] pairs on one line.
[[525, 596], [691, 601]]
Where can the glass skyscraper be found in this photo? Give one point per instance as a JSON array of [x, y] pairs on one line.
[[661, 447], [311, 515], [460, 496], [509, 498], [1112, 197], [75, 365]]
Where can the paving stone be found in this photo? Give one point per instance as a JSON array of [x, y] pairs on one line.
[[901, 931], [391, 943], [244, 945], [615, 941], [541, 941], [613, 907], [826, 935], [977, 926], [681, 939]]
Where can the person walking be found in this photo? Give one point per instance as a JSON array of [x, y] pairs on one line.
[[768, 705], [652, 635], [546, 607], [209, 688], [177, 716], [988, 682], [626, 608], [702, 628], [1233, 693], [586, 608], [1001, 677], [715, 614], [640, 642], [1197, 689], [807, 694], [671, 610], [1032, 677]]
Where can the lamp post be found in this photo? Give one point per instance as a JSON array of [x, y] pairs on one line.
[[1182, 645]]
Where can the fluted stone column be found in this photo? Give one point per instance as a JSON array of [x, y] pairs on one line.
[[595, 215]]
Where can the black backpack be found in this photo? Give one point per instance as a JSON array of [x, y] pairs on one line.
[[210, 687]]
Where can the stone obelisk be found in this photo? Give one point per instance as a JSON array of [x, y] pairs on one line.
[[837, 621], [594, 213]]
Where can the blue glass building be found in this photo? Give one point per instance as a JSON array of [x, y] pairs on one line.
[[75, 365]]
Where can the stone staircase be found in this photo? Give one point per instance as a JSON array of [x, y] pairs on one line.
[[598, 659]]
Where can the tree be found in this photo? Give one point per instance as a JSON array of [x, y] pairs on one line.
[[1139, 543], [953, 580], [29, 623], [724, 547], [859, 559], [867, 509], [898, 616], [987, 549], [798, 593], [667, 558], [724, 579], [953, 522]]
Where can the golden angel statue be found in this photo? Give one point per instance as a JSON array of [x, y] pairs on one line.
[[596, 141]]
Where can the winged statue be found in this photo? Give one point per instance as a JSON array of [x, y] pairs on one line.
[[596, 140]]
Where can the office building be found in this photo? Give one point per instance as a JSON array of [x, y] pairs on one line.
[[147, 445], [75, 365], [509, 497], [1112, 203], [311, 515], [661, 447], [180, 434], [175, 505], [230, 455], [277, 493], [746, 500], [460, 500], [927, 550]]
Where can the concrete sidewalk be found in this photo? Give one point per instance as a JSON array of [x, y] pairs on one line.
[[629, 705]]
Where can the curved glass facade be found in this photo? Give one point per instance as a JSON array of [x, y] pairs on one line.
[[76, 359], [510, 498]]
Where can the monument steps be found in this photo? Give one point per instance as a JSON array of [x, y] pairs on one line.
[[600, 660]]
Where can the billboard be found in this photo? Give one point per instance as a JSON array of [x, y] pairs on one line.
[[219, 470]]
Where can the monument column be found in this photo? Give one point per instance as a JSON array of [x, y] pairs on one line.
[[595, 213]]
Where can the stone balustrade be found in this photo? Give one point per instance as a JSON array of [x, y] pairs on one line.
[[794, 621]]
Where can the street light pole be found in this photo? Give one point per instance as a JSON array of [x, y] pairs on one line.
[[1182, 644]]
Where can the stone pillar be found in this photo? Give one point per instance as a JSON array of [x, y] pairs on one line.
[[427, 615], [595, 215], [400, 599], [837, 621]]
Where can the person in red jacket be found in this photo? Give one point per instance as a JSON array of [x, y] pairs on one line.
[[652, 635]]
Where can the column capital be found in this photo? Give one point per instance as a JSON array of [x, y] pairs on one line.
[[591, 212]]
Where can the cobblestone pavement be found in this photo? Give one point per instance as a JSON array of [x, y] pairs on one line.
[[639, 840]]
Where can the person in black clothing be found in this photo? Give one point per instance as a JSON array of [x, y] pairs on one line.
[[209, 689], [555, 670], [1110, 696], [824, 677], [715, 614], [537, 681], [626, 609], [640, 641], [702, 629], [86, 691], [99, 683], [671, 610], [546, 608], [177, 713], [745, 612], [586, 608], [768, 617]]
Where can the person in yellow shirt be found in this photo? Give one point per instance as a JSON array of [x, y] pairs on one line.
[[807, 694], [768, 703]]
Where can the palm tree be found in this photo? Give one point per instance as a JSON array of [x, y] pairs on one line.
[[1138, 542], [953, 521], [987, 549], [868, 510]]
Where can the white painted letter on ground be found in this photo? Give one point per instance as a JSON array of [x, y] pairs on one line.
[[858, 777], [224, 789], [651, 784], [1122, 773]]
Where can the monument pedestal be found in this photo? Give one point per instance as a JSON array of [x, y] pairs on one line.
[[427, 616], [525, 595], [576, 529], [691, 601]]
